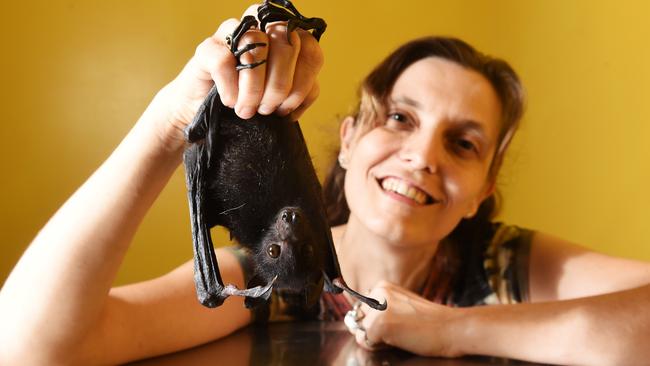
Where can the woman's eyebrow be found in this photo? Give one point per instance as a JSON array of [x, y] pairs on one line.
[[405, 100]]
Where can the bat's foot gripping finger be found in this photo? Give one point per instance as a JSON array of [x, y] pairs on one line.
[[283, 10], [232, 41], [338, 282]]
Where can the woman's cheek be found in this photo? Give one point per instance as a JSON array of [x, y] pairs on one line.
[[463, 191]]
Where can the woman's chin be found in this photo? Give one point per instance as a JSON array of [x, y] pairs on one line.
[[399, 233]]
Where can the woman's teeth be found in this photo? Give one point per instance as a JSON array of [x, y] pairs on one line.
[[401, 188]]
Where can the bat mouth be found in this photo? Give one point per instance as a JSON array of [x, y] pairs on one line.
[[407, 190]]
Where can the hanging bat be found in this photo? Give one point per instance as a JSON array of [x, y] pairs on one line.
[[255, 178]]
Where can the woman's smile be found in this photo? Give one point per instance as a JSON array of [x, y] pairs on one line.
[[404, 191]]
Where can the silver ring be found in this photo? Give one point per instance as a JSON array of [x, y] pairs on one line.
[[352, 318]]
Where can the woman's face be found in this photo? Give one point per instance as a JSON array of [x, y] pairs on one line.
[[414, 177]]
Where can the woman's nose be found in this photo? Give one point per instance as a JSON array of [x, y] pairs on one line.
[[421, 153]]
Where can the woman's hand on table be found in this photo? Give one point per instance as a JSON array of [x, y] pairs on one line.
[[410, 322]]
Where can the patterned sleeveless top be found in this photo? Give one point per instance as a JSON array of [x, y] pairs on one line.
[[496, 272]]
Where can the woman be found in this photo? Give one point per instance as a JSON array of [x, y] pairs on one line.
[[436, 123]]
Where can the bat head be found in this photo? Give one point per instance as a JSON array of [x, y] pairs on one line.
[[290, 250]]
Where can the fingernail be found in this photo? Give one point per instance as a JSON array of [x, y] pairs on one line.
[[265, 109], [245, 112]]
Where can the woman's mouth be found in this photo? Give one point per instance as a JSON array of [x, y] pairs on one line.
[[402, 188]]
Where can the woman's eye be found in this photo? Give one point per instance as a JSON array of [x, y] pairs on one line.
[[399, 121], [466, 145], [397, 117]]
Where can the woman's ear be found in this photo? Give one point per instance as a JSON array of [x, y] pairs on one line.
[[489, 189], [346, 134]]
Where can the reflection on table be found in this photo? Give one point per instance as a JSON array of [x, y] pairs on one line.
[[302, 343]]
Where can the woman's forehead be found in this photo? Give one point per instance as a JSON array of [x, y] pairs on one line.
[[435, 85]]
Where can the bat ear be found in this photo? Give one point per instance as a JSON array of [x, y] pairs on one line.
[[209, 285]]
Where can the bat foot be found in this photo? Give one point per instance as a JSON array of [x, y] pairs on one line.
[[211, 300], [338, 282], [254, 295], [256, 291]]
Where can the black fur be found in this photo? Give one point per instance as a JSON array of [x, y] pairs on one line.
[[255, 178]]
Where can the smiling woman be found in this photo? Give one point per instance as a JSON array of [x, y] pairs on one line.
[[413, 190], [425, 142], [411, 200]]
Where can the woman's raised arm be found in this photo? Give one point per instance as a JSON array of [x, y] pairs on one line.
[[57, 307]]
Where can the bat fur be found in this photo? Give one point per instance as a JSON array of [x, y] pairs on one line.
[[255, 178]]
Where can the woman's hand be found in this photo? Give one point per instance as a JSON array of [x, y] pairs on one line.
[[285, 84], [410, 322]]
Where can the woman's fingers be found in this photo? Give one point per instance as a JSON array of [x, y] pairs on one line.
[[307, 102], [283, 53], [367, 336], [242, 90], [305, 87], [251, 80], [285, 83], [224, 74]]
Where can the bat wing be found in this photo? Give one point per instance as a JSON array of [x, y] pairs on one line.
[[207, 278], [199, 160]]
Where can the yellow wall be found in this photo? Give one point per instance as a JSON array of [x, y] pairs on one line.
[[75, 75]]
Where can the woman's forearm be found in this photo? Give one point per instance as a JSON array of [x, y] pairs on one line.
[[607, 329], [56, 292]]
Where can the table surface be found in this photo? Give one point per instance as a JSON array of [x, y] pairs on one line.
[[302, 343]]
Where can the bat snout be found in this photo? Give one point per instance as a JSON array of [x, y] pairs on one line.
[[291, 250], [291, 216], [290, 224]]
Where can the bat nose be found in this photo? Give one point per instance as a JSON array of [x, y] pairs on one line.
[[291, 224], [291, 216]]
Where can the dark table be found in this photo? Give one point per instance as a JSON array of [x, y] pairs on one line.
[[305, 344]]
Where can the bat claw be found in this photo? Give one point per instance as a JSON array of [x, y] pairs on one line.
[[257, 291], [283, 10], [338, 282]]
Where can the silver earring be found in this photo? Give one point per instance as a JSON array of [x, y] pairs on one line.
[[343, 162]]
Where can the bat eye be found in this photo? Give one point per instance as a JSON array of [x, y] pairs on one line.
[[273, 250]]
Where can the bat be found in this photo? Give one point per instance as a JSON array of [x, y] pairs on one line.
[[255, 178]]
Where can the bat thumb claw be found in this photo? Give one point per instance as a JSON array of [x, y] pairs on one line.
[[338, 282]]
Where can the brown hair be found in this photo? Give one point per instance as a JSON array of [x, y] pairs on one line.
[[370, 111]]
